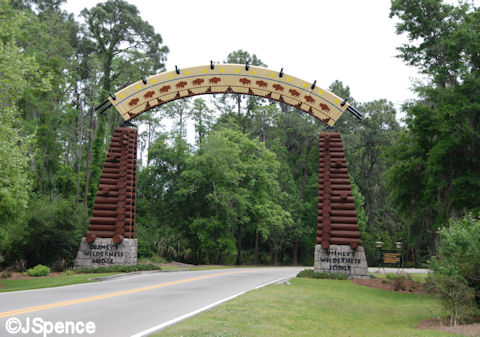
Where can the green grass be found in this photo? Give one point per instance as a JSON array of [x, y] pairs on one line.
[[48, 282], [416, 277], [152, 259], [310, 307]]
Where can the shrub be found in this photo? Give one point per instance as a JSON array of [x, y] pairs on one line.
[[456, 296], [308, 273], [39, 270], [53, 231], [398, 280], [456, 268], [20, 265], [59, 265]]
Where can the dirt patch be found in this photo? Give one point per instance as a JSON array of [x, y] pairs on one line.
[[403, 286], [439, 325]]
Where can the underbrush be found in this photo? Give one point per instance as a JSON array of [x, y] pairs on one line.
[[309, 273], [120, 269]]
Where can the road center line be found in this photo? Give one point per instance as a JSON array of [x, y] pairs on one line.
[[114, 294]]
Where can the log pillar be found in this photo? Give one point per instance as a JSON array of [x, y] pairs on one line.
[[338, 246], [111, 233]]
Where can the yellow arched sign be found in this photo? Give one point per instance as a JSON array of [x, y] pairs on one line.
[[143, 95]]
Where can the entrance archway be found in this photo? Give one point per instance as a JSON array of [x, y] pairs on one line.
[[113, 218], [155, 90]]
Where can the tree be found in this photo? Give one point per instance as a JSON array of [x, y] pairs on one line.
[[117, 30], [435, 166], [456, 269], [430, 25], [203, 118], [179, 112], [236, 177], [127, 47], [235, 108], [17, 73]]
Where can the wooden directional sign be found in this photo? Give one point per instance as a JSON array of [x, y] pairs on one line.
[[391, 258], [165, 87]]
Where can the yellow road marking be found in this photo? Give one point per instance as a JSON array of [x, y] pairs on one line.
[[114, 294]]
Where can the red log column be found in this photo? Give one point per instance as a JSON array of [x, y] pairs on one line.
[[337, 218], [114, 210]]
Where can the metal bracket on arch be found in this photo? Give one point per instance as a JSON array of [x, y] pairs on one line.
[[354, 112]]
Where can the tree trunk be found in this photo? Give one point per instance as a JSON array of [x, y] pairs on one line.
[[79, 154], [239, 244], [89, 158], [295, 252], [256, 246], [305, 169], [302, 196]]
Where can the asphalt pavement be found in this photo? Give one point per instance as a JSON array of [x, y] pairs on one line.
[[132, 306]]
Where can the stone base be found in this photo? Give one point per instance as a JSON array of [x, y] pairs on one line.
[[104, 253], [341, 259]]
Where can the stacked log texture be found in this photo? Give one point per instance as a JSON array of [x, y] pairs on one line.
[[337, 218], [114, 211]]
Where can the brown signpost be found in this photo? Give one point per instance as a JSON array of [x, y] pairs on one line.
[[111, 233]]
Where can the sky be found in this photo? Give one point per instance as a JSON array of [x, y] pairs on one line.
[[348, 40]]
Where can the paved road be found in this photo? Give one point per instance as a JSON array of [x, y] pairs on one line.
[[134, 305]]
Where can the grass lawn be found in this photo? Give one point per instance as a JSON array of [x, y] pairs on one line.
[[310, 307], [416, 277], [48, 282]]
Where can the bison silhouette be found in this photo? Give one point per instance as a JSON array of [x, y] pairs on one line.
[[149, 94], [262, 84], [309, 99], [198, 81], [214, 80], [244, 81], [324, 107], [294, 92], [165, 89], [134, 102], [277, 87], [181, 85]]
